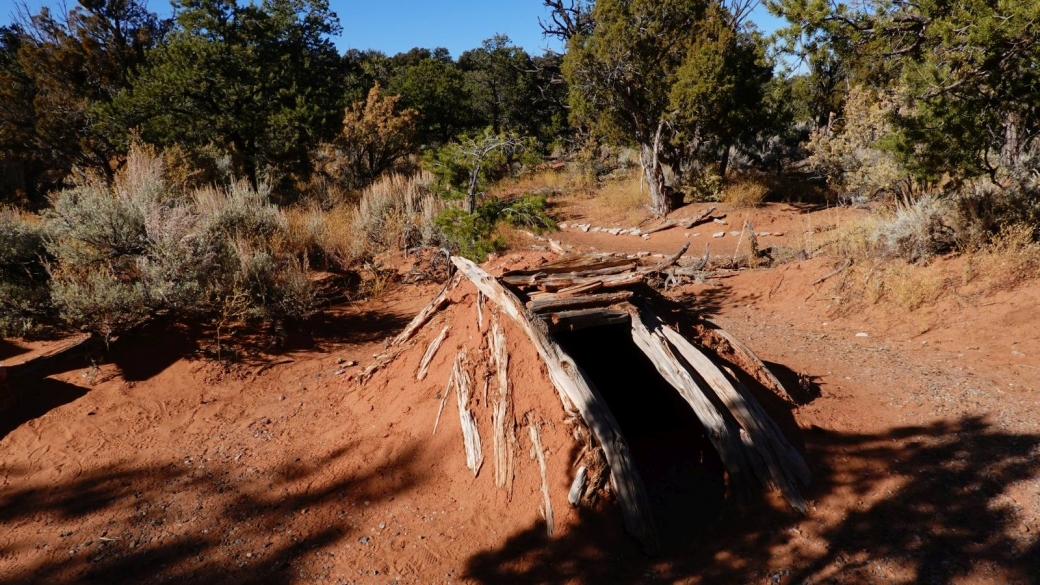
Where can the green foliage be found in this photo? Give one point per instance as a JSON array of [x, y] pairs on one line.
[[465, 167], [374, 138], [474, 235], [679, 79], [470, 235], [966, 72], [57, 72], [24, 304], [258, 80], [435, 88]]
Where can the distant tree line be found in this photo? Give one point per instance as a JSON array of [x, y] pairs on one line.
[[255, 88]]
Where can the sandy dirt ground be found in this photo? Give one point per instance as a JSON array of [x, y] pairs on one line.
[[161, 465]]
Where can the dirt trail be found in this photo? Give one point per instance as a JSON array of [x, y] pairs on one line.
[[159, 466]]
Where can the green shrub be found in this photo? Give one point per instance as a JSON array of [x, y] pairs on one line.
[[24, 302], [138, 250], [473, 235]]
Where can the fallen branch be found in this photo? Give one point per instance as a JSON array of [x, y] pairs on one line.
[[670, 260], [556, 303], [845, 265]]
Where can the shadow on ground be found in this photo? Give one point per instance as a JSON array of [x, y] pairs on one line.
[[944, 518], [204, 520]]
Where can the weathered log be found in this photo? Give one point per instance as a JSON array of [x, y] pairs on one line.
[[577, 391], [585, 318], [556, 303], [431, 351], [723, 434], [558, 283], [612, 267], [685, 223], [784, 465], [571, 266], [750, 362]]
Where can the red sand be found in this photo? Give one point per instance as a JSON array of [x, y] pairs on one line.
[[161, 466]]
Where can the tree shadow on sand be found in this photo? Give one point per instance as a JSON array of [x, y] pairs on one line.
[[924, 505], [209, 520]]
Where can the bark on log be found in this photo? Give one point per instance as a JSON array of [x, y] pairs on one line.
[[575, 388]]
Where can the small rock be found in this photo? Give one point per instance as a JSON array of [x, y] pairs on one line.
[[564, 226], [364, 540], [382, 525], [764, 234], [635, 232], [697, 235], [646, 236], [585, 228], [614, 231], [719, 235], [1014, 352], [340, 372], [686, 235], [862, 334], [720, 221], [281, 397], [642, 254], [734, 234], [778, 233], [340, 360], [249, 555]]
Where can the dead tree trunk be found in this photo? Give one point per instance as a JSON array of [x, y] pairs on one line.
[[650, 159]]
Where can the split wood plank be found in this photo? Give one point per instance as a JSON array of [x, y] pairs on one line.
[[578, 486], [431, 351], [470, 435], [785, 467], [502, 418], [612, 267], [723, 434], [575, 389], [538, 452], [555, 303]]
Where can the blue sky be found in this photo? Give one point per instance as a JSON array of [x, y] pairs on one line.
[[393, 26]]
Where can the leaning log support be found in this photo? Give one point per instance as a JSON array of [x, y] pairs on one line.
[[575, 386]]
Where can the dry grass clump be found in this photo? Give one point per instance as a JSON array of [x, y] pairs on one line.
[[620, 202], [744, 194], [1011, 258]]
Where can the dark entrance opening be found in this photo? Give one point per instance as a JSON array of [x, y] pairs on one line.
[[683, 474]]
